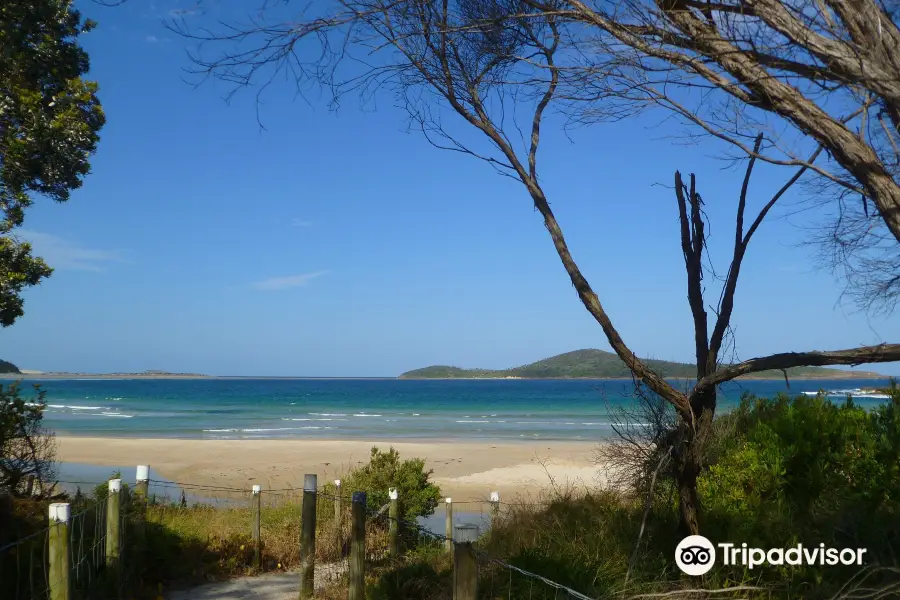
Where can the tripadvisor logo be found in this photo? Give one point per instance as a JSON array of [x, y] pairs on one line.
[[696, 555]]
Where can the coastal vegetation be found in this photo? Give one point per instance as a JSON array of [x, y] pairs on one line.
[[771, 482], [419, 496], [596, 364]]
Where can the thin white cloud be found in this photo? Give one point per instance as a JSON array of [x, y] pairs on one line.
[[151, 39], [180, 13], [300, 223], [61, 253], [190, 9], [287, 282]]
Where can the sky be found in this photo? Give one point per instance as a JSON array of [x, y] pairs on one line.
[[342, 244]]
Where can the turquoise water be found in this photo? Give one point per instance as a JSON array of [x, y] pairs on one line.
[[360, 409]]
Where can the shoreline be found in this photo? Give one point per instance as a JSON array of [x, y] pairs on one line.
[[465, 470], [175, 376], [866, 376]]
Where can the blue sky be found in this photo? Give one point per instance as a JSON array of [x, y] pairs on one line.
[[339, 244]]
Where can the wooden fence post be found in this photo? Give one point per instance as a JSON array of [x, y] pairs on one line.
[[338, 505], [465, 567], [142, 481], [338, 517], [29, 486], [113, 514], [495, 505], [255, 512], [448, 530], [308, 538], [58, 551], [141, 492], [394, 514], [358, 547]]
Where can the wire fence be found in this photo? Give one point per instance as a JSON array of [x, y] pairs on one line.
[[499, 578], [27, 568], [178, 531], [281, 527]]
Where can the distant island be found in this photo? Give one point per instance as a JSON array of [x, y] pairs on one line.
[[580, 364], [67, 375], [597, 364], [8, 367]]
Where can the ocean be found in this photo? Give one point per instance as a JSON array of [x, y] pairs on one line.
[[504, 409]]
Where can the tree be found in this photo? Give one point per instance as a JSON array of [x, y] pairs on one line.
[[495, 63], [49, 123], [26, 448]]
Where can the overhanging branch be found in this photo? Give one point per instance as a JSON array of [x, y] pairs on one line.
[[854, 356]]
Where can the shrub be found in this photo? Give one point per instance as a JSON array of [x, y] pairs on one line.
[[806, 470], [101, 490], [417, 494]]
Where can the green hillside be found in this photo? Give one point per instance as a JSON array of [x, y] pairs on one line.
[[8, 367], [590, 364]]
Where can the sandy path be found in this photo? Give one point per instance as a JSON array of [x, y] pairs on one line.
[[465, 470], [270, 586]]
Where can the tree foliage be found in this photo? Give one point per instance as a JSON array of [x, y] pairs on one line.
[[49, 122], [418, 495], [18, 270], [26, 448]]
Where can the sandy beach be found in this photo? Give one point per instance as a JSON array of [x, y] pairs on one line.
[[465, 470]]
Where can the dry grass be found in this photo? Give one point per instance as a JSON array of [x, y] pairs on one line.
[[205, 542]]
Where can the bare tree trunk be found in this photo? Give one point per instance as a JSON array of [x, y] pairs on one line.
[[688, 502], [694, 432]]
